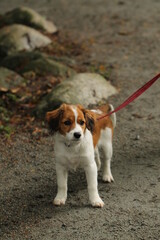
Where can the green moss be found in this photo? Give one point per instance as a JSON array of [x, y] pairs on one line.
[[23, 16], [3, 110], [12, 97], [7, 130], [4, 114], [16, 16], [37, 62]]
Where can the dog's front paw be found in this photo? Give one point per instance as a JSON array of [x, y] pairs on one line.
[[58, 201], [97, 203], [108, 178]]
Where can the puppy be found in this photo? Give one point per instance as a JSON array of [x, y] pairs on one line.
[[78, 136]]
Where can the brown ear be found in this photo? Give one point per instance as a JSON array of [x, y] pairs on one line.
[[90, 119], [80, 107], [53, 118]]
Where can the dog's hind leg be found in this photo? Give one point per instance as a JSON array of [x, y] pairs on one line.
[[97, 158], [106, 147]]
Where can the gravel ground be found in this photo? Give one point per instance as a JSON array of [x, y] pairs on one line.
[[124, 35]]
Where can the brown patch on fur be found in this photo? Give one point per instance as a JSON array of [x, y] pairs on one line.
[[68, 115], [58, 117], [89, 118], [94, 125], [53, 118], [102, 123], [98, 125], [81, 118], [104, 108]]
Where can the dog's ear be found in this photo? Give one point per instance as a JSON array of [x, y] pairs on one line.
[[81, 107], [90, 120], [53, 118], [89, 117]]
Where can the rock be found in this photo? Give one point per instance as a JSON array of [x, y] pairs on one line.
[[137, 137], [9, 79], [37, 62], [82, 88], [28, 17], [17, 37]]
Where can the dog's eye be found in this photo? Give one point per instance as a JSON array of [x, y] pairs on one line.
[[67, 122], [81, 122]]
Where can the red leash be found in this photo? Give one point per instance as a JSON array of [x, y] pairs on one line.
[[133, 96]]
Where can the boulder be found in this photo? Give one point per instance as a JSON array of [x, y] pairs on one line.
[[82, 88], [37, 62], [16, 37], [28, 17], [9, 79]]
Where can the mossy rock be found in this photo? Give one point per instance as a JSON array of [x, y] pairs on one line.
[[28, 17], [82, 88], [16, 37], [37, 62], [10, 79]]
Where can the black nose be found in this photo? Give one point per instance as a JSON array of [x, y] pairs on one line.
[[77, 135]]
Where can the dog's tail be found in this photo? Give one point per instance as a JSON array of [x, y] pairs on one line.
[[106, 109], [113, 115]]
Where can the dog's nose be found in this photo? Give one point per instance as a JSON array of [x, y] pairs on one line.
[[77, 135]]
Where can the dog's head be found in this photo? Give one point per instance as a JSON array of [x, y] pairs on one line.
[[71, 121]]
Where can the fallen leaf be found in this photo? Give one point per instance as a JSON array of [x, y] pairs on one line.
[[2, 89], [137, 115], [15, 90]]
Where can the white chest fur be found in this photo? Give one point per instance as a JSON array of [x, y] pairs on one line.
[[72, 154]]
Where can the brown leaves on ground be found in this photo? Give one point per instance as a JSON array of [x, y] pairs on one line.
[[64, 45], [18, 104]]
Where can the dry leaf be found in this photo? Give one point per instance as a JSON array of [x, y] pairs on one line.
[[2, 89]]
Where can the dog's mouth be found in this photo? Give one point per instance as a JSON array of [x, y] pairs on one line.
[[72, 142], [76, 140]]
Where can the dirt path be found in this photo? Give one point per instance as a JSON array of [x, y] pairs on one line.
[[125, 35]]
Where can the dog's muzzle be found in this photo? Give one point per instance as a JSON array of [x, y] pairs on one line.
[[77, 135]]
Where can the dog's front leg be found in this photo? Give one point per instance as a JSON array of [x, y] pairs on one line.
[[91, 175], [62, 175]]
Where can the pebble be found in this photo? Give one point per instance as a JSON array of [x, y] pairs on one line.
[[131, 118], [137, 137]]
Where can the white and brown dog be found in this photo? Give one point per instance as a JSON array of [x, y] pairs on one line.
[[78, 137]]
